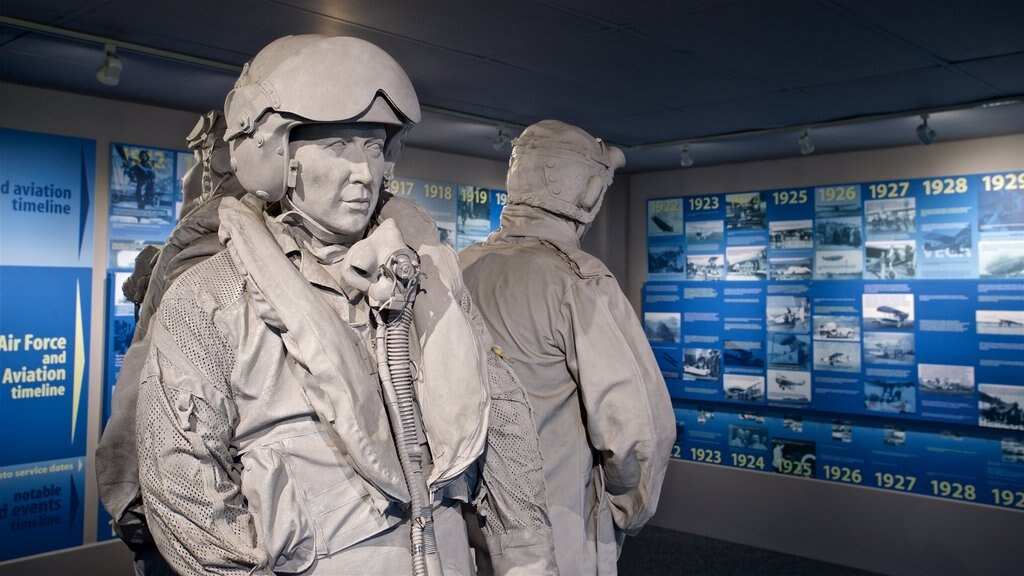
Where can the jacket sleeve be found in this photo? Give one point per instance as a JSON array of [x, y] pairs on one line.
[[628, 412], [189, 477]]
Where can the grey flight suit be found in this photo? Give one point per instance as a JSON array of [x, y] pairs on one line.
[[602, 410]]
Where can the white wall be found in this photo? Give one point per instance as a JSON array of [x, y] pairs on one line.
[[870, 529]]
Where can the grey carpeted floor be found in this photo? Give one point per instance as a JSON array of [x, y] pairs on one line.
[[661, 552]]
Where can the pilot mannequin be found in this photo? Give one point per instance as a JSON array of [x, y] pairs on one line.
[[602, 410], [264, 445]]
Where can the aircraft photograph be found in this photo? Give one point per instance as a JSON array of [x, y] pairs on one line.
[[838, 265], [889, 311], [788, 313], [842, 431], [890, 216], [664, 216], [890, 396], [836, 328], [1001, 210], [957, 243], [790, 351], [1001, 322], [790, 234], [662, 225], [837, 356], [893, 436], [1001, 259], [1013, 449], [790, 268], [1001, 406], [705, 267], [708, 232], [794, 457], [890, 260], [745, 211], [945, 379], [888, 348], [789, 386], [743, 387], [746, 263], [744, 354]]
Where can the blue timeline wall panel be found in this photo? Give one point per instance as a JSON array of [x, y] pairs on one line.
[[869, 333], [46, 232]]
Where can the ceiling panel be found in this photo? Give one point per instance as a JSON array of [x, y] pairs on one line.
[[647, 71], [521, 93], [1005, 74], [661, 125], [49, 11], [477, 28], [934, 87], [793, 43], [765, 111], [956, 30], [633, 12]]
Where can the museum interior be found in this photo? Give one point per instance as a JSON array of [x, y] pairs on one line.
[[819, 226]]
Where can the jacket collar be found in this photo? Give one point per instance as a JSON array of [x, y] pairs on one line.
[[521, 220]]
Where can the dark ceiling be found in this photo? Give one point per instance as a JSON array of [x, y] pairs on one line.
[[646, 74]]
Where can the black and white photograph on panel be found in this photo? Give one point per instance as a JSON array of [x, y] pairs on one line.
[[890, 260], [702, 364], [1001, 406], [789, 386], [947, 379], [662, 327], [842, 431], [665, 260], [889, 348], [786, 313], [791, 268], [743, 387], [890, 395], [894, 436], [837, 356], [705, 266], [705, 232], [794, 457], [894, 216], [748, 437], [1001, 322], [1013, 449], [948, 241], [838, 265], [745, 353], [1001, 210], [791, 234], [745, 211], [793, 423], [789, 351], [746, 263], [664, 216], [752, 417], [1001, 258], [840, 232], [705, 415], [888, 311], [842, 328]]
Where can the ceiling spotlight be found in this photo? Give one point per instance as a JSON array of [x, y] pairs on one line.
[[501, 141], [924, 132], [806, 146], [109, 72], [685, 160]]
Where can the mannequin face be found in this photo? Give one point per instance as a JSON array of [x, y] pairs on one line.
[[341, 168]]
